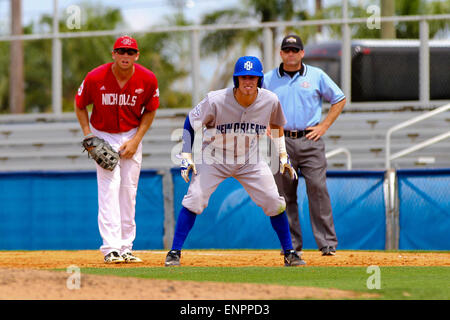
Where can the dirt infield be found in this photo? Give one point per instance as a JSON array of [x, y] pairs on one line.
[[25, 275]]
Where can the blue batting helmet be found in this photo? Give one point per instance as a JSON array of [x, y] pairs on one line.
[[248, 66]]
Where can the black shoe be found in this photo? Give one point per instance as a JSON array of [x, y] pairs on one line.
[[173, 258], [130, 258], [328, 251], [292, 259], [113, 257], [300, 252]]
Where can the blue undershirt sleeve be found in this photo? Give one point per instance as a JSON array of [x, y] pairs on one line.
[[188, 136]]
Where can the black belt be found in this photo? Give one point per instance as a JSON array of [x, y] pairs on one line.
[[294, 134]]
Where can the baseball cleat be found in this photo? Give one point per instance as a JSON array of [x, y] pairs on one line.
[[173, 258], [299, 252], [328, 251], [292, 259], [113, 257], [128, 257]]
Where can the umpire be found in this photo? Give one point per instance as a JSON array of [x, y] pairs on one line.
[[300, 89]]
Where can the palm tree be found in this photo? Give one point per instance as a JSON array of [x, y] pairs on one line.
[[410, 30], [227, 45], [80, 55]]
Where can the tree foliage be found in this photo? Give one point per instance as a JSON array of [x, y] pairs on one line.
[[4, 79], [80, 55], [410, 30], [404, 30], [167, 54], [228, 45]]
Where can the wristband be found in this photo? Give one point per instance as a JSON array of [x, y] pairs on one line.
[[280, 145], [88, 135]]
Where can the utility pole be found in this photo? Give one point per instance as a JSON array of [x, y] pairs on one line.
[[346, 55], [56, 63], [16, 69], [179, 5], [317, 10], [388, 28]]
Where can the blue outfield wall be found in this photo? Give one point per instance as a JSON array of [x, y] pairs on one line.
[[232, 220], [58, 210], [424, 210], [359, 211]]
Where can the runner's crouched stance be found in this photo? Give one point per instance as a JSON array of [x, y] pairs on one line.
[[227, 115]]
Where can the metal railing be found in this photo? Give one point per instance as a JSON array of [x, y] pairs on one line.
[[337, 151], [418, 146], [391, 202], [268, 50], [390, 184]]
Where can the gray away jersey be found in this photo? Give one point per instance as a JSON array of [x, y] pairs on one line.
[[231, 132]]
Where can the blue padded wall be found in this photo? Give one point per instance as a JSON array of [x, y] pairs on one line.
[[424, 211], [58, 210], [232, 220]]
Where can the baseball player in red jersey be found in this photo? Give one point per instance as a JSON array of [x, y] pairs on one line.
[[125, 97]]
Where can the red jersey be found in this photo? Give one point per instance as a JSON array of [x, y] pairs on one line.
[[115, 109]]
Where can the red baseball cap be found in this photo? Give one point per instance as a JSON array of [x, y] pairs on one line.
[[126, 42]]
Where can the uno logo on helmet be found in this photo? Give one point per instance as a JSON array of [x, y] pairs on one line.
[[248, 66]]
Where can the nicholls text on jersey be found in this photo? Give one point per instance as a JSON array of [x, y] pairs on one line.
[[112, 99]]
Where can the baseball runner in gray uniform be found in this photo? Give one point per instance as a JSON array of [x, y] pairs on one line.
[[232, 121]]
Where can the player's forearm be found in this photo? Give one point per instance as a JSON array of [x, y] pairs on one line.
[[333, 114], [276, 131], [83, 119], [146, 122]]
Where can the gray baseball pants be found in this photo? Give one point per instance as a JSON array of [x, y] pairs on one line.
[[309, 157], [257, 180]]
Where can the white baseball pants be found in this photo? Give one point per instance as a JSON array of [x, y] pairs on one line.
[[117, 196]]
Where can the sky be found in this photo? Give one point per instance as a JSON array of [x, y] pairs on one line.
[[138, 14]]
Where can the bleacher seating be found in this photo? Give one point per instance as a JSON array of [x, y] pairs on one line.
[[364, 135], [52, 142]]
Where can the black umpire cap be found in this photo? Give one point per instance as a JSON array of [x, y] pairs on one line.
[[292, 41]]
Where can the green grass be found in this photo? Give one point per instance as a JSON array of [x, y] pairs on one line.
[[397, 283]]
